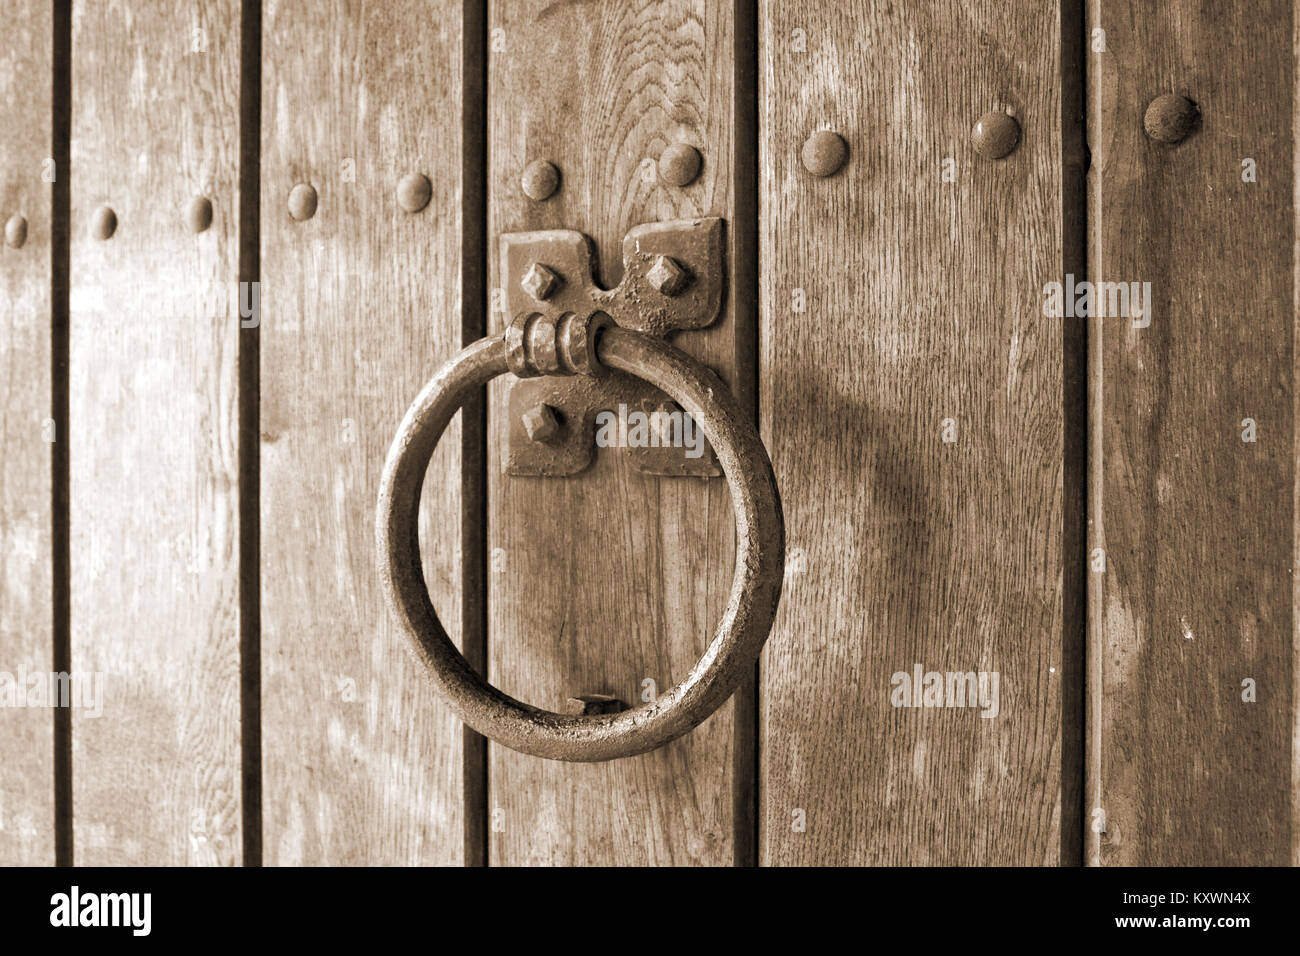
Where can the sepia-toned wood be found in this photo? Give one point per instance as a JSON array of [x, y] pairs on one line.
[[962, 475], [154, 492], [26, 430], [893, 302], [611, 578], [360, 305], [1196, 523]]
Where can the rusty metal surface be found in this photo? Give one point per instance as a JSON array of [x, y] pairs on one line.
[[760, 547], [588, 704], [673, 279]]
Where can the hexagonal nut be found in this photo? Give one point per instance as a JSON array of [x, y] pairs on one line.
[[541, 423], [668, 276], [540, 282]]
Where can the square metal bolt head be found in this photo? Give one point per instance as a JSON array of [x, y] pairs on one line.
[[540, 282], [668, 276], [540, 423]]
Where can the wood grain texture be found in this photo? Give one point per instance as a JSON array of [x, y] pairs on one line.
[[609, 578], [26, 632], [1197, 524], [154, 517], [360, 305], [922, 302]]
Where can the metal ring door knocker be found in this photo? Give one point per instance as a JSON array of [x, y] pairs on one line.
[[537, 344]]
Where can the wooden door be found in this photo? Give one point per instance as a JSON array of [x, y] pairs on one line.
[[1038, 601]]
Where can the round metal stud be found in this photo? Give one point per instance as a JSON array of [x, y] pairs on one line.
[[302, 201], [103, 223], [540, 180], [825, 153], [414, 192], [198, 214], [16, 232], [1170, 118], [995, 134], [679, 164]]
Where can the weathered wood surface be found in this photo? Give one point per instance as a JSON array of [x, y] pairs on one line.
[[26, 517], [360, 304], [902, 304], [154, 514], [609, 579], [1196, 523], [893, 302]]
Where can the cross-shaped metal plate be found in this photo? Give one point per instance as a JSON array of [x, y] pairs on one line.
[[672, 279]]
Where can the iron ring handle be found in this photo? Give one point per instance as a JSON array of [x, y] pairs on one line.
[[760, 539]]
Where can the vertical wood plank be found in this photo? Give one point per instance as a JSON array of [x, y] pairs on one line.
[[892, 302], [26, 522], [360, 304], [154, 514], [1196, 523], [609, 578]]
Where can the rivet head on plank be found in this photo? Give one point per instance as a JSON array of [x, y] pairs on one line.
[[679, 164], [414, 192], [541, 423], [540, 180], [539, 282], [825, 153], [198, 214], [16, 232], [995, 134], [103, 223], [1170, 117], [302, 201], [667, 276]]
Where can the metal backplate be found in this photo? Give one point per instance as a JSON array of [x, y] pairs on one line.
[[645, 301]]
